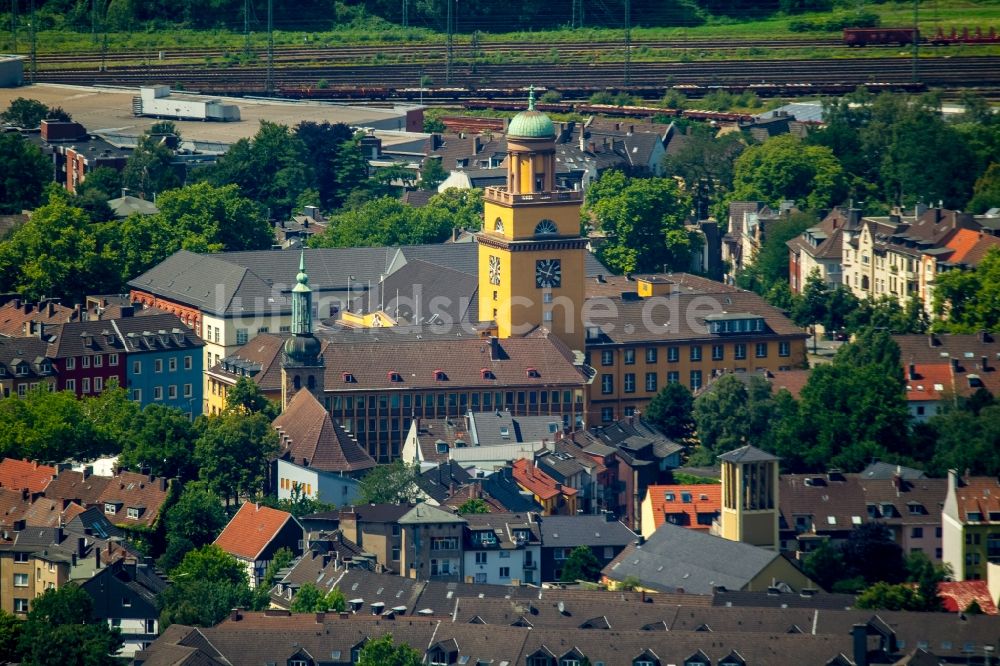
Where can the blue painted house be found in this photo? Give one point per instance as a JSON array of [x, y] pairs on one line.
[[163, 360]]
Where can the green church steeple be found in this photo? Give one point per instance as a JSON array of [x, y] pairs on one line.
[[302, 300]]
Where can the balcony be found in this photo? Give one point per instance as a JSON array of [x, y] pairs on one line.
[[502, 196]]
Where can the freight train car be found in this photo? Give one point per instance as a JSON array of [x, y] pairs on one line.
[[880, 36]]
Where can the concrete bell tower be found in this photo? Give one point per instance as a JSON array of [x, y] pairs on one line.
[[750, 497], [302, 365]]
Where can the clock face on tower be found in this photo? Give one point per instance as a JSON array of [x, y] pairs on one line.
[[494, 270], [548, 273]]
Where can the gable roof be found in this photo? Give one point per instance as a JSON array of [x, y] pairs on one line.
[[426, 514], [251, 529], [135, 491], [685, 502], [82, 487], [310, 438], [540, 484], [584, 530], [675, 558], [747, 453], [19, 474]]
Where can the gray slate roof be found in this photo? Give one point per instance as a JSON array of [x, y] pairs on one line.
[[488, 428], [238, 283], [425, 514], [747, 453], [678, 558], [572, 531]]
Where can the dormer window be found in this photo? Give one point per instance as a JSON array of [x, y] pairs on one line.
[[349, 378], [395, 376], [532, 372], [487, 373], [440, 376], [21, 369]]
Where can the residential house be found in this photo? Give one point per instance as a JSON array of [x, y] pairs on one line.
[[317, 457], [501, 549], [130, 500], [970, 363], [501, 487], [964, 251], [431, 544], [569, 466], [742, 215], [441, 482], [255, 534], [677, 559], [25, 474], [603, 534], [929, 387], [164, 360], [970, 539], [124, 595], [819, 249], [554, 497], [375, 528], [25, 365], [692, 506], [634, 455], [679, 328]]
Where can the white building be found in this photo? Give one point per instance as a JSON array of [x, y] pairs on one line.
[[502, 549]]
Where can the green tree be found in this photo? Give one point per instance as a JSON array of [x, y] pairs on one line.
[[25, 113], [10, 634], [149, 170], [886, 596], [233, 453], [222, 216], [464, 207], [24, 171], [324, 143], [385, 221], [382, 652], [394, 483], [966, 300], [963, 440], [581, 564], [731, 413], [162, 439], [271, 168], [986, 192], [298, 504], [770, 266], [643, 219], [112, 415], [812, 308], [705, 162], [193, 521], [311, 599], [825, 565], [60, 630], [105, 181], [871, 552], [670, 410], [432, 173], [246, 397], [473, 506], [201, 602], [48, 427], [210, 563], [783, 167]]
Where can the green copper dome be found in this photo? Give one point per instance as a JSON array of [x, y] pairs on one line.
[[531, 124]]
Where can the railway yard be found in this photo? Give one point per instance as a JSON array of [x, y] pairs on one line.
[[483, 71]]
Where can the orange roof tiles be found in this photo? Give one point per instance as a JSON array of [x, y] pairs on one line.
[[251, 529], [978, 495], [685, 502], [19, 474], [957, 595], [538, 482], [929, 382]]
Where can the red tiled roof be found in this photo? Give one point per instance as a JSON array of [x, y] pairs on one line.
[[961, 243], [13, 505], [310, 438], [130, 490], [251, 529], [957, 595], [930, 382], [670, 500], [538, 482], [19, 474], [978, 252], [46, 513], [792, 381], [978, 494], [70, 485]]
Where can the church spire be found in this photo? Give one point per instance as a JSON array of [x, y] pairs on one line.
[[302, 301]]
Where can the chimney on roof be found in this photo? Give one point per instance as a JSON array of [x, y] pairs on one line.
[[985, 337], [955, 366], [81, 546], [235, 615], [592, 147], [59, 535], [859, 634], [320, 616], [97, 557], [932, 340], [494, 348], [912, 371], [87, 471], [984, 363]]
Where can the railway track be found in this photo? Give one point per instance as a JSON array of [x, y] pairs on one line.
[[937, 72], [567, 50]]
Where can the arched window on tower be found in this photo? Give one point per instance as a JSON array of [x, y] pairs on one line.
[[312, 382], [498, 226], [546, 227], [297, 382]]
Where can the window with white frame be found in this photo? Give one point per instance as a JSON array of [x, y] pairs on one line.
[[188, 362], [172, 364], [158, 365], [157, 393], [71, 363], [20, 580], [113, 359]]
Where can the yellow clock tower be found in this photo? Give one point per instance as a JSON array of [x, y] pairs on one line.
[[531, 255]]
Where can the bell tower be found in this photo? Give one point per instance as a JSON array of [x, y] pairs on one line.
[[531, 255], [750, 497], [302, 359]]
